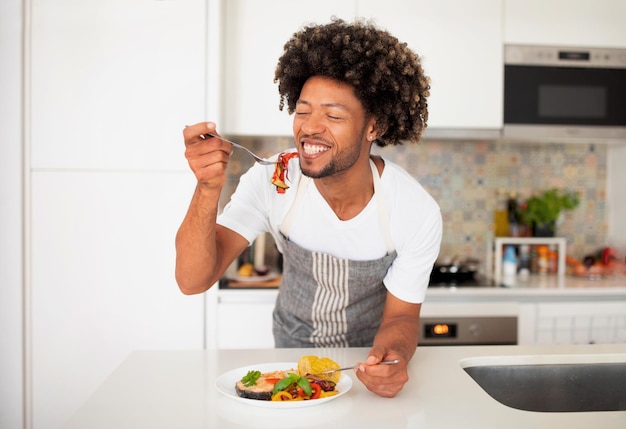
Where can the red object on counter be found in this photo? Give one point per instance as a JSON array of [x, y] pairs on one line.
[[608, 255]]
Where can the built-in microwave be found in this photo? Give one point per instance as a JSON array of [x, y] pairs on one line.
[[564, 93]]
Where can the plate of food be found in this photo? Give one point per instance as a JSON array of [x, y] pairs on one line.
[[285, 384]]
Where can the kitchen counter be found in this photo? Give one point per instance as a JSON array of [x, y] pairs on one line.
[[176, 389], [540, 287], [536, 287]]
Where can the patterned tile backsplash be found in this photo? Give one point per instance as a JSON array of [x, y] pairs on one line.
[[465, 176]]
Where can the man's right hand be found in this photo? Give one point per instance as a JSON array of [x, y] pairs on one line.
[[207, 156], [204, 249]]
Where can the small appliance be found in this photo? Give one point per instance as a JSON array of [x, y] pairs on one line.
[[564, 93]]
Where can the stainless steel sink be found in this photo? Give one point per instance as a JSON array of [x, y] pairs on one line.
[[553, 383]]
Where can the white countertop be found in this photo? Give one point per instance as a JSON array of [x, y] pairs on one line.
[[176, 389], [541, 288], [536, 289]]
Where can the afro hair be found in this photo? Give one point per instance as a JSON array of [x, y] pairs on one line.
[[386, 75]]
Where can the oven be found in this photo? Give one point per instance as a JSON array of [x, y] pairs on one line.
[[473, 330], [450, 317]]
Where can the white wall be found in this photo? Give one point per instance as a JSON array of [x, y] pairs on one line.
[[11, 365], [616, 184]]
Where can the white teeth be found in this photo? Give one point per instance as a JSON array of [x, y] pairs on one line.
[[310, 149]]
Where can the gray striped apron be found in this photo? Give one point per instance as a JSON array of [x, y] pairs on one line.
[[324, 301]]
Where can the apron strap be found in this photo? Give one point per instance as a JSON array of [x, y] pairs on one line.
[[383, 210], [379, 194], [287, 222]]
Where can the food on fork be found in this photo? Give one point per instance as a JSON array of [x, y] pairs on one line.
[[280, 176]]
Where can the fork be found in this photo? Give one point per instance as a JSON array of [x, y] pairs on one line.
[[385, 362], [256, 157]]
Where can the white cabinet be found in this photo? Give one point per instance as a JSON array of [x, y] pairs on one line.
[[111, 85], [244, 319], [11, 222], [255, 33], [565, 22], [114, 82], [102, 280], [460, 44], [572, 323]]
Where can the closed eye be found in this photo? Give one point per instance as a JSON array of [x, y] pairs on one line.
[[335, 118]]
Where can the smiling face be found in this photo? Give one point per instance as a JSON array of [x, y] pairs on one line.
[[330, 128]]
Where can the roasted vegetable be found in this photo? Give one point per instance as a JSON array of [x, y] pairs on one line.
[[280, 175]]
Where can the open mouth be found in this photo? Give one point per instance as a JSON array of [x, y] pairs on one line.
[[314, 149]]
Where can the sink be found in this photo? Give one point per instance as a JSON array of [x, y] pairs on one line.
[[553, 383]]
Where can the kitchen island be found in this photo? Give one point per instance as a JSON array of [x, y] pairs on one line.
[[176, 389]]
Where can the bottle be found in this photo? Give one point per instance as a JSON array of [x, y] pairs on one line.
[[509, 261], [509, 266], [534, 260], [524, 261], [501, 215], [512, 215], [553, 259], [542, 259]]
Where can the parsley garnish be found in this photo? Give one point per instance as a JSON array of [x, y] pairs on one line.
[[250, 378]]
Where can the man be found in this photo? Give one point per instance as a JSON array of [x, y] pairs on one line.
[[358, 235]]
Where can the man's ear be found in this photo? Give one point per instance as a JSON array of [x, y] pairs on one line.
[[376, 129]]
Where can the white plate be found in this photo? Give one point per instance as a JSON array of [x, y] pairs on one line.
[[225, 384], [252, 279]]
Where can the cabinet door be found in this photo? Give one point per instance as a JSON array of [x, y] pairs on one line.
[[11, 217], [573, 323], [255, 34], [244, 319], [114, 82], [565, 22], [103, 280], [460, 43]]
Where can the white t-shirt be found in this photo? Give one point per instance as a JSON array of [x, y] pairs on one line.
[[415, 224]]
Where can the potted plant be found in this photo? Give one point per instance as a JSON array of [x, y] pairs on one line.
[[540, 212]]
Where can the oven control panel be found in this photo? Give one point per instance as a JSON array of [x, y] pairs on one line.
[[488, 330]]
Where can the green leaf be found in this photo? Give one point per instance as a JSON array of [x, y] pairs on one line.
[[546, 206], [293, 379], [306, 386], [282, 384], [250, 378]]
